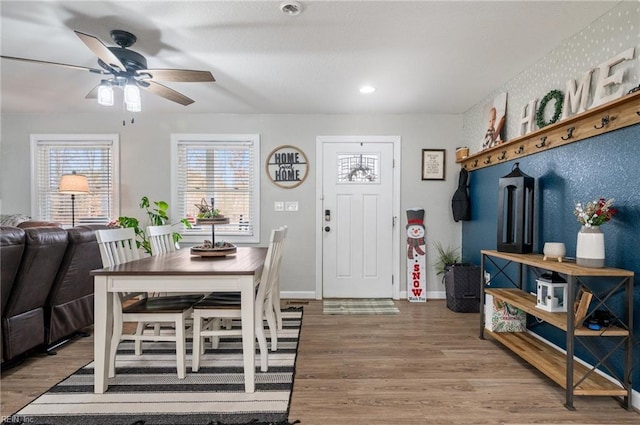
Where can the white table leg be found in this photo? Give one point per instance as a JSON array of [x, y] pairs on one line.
[[103, 322], [248, 338]]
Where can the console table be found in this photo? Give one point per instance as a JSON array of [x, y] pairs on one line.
[[575, 377]]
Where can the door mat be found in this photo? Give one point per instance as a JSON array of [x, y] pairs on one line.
[[360, 306]]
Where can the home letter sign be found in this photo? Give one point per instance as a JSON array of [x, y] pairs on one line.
[[287, 166]]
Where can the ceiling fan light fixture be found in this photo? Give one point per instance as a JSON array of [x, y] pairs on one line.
[[133, 107], [131, 93], [105, 94], [132, 99]]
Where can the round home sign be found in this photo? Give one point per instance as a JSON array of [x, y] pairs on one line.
[[287, 166]]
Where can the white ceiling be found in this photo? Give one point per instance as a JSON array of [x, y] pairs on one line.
[[422, 56]]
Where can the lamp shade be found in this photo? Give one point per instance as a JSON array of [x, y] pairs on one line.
[[73, 183]]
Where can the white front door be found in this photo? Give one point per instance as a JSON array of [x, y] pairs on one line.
[[357, 219]]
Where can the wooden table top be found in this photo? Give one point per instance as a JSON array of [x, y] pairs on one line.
[[246, 261]]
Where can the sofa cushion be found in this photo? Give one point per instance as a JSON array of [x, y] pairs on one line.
[[44, 249], [12, 240]]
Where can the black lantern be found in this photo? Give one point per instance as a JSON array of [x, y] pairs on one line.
[[515, 212]]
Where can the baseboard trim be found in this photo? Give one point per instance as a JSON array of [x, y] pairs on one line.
[[307, 295], [311, 295]]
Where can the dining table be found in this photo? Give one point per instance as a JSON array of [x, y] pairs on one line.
[[178, 272]]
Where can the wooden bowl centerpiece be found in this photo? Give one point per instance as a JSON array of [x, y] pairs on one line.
[[219, 249]]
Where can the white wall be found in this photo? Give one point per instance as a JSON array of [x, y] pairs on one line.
[[145, 163]]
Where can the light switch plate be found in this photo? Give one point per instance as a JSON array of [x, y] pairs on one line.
[[291, 206], [278, 206]]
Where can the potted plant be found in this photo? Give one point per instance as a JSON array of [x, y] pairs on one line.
[[445, 259], [156, 216]]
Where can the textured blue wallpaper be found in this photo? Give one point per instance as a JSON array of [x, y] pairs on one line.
[[603, 166]]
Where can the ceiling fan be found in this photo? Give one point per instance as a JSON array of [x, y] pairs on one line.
[[128, 70]]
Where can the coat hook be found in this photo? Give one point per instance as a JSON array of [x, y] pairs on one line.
[[475, 163], [503, 156], [488, 160], [605, 121], [543, 143], [569, 133], [520, 150]]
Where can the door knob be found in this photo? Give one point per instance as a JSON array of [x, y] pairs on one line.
[[327, 229]]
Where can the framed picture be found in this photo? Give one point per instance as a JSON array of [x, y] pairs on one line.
[[494, 115], [433, 161], [581, 305]]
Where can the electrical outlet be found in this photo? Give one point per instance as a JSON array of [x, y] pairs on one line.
[[487, 278], [278, 206], [291, 206]]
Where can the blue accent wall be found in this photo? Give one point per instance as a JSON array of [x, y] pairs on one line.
[[604, 166]]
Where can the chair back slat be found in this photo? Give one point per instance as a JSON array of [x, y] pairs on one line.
[[161, 239], [117, 246]]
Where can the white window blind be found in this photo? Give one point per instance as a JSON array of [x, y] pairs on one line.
[[221, 171], [95, 157]]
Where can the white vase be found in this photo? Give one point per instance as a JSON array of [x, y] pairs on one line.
[[590, 247]]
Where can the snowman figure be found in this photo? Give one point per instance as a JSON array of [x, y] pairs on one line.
[[416, 258], [415, 233]]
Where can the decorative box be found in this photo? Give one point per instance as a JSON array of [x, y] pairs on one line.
[[551, 293]]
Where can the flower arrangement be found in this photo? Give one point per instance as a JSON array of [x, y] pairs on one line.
[[595, 213]]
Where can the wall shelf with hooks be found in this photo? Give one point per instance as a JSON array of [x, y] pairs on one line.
[[620, 113]]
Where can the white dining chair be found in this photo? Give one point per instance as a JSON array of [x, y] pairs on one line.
[[161, 239], [277, 310], [118, 246], [217, 306]]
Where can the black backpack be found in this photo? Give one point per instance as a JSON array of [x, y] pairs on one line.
[[461, 204]]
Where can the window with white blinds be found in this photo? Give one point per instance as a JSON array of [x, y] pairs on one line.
[[92, 155], [223, 171]]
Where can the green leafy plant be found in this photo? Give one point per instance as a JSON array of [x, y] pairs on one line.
[[446, 257], [156, 216]]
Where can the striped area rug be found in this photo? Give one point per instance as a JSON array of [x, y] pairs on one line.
[[359, 306], [147, 391]]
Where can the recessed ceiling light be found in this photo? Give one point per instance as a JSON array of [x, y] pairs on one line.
[[367, 89], [291, 8]]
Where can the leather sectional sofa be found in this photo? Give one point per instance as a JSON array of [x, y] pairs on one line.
[[47, 292]]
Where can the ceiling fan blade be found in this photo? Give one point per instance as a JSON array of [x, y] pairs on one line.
[[100, 50], [178, 75], [167, 93], [81, 68], [93, 94]]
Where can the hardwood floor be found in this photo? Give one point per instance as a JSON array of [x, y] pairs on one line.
[[423, 366]]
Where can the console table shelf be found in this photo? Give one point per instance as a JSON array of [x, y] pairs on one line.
[[562, 367], [527, 303], [553, 363]]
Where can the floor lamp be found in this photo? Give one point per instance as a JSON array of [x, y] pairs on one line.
[[74, 184]]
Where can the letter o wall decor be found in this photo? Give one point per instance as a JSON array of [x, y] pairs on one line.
[[287, 166]]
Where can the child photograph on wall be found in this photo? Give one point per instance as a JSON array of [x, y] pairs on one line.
[[495, 113]]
